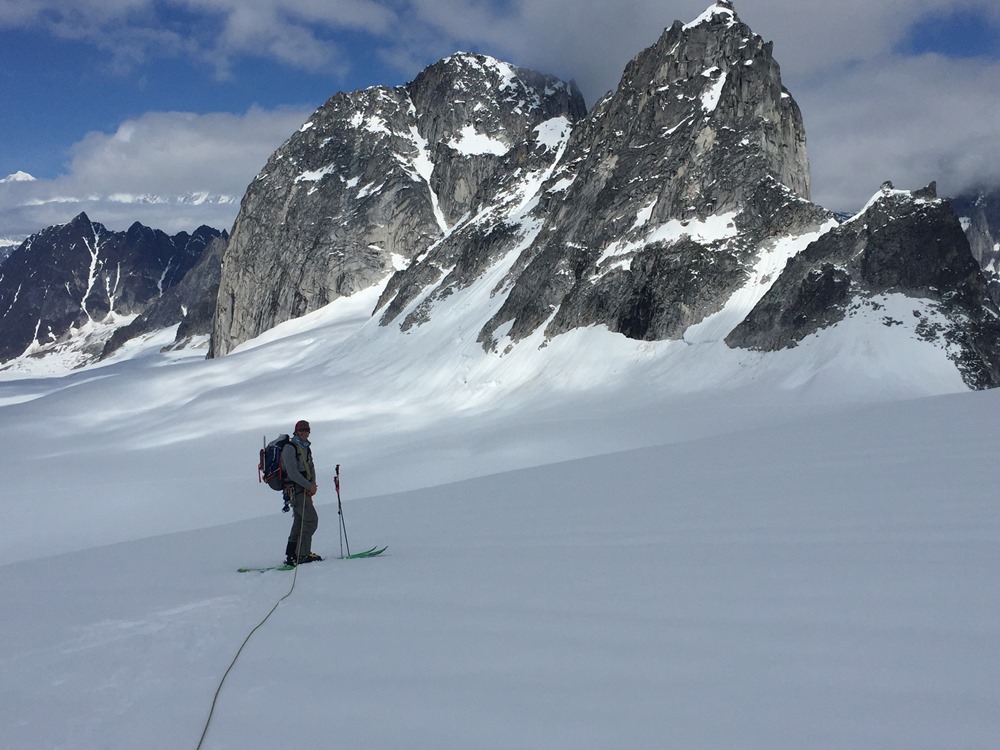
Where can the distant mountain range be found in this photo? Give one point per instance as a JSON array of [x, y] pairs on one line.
[[677, 208], [71, 286], [183, 199]]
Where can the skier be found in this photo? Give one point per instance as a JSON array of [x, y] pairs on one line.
[[300, 486]]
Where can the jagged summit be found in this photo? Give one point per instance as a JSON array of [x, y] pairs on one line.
[[699, 127], [93, 276], [476, 160], [903, 260], [377, 177], [668, 211], [719, 12]]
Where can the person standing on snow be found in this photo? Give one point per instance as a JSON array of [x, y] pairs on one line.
[[300, 486]]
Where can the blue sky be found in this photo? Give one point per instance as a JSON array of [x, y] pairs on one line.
[[962, 33], [150, 97]]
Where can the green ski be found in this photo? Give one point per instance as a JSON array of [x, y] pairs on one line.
[[356, 556], [367, 553]]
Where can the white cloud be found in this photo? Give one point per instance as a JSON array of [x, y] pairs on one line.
[[911, 121], [166, 157], [213, 32], [870, 114]]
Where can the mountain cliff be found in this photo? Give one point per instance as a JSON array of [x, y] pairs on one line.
[[71, 275], [375, 178], [980, 216], [657, 208], [908, 245], [677, 208], [645, 215]]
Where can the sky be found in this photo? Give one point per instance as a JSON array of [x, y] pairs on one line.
[[105, 101]]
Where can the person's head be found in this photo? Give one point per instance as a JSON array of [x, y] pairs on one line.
[[302, 428]]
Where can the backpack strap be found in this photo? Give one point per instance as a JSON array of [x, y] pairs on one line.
[[304, 455]]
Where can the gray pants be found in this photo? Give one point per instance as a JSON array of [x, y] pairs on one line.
[[305, 522]]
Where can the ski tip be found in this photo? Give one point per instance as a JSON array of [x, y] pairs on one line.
[[374, 551]]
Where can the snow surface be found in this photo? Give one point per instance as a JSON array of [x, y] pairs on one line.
[[592, 543], [554, 132], [710, 98], [710, 229], [471, 142], [729, 16]]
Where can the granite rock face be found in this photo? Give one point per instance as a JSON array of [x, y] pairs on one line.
[[980, 216], [372, 181], [661, 198], [678, 207], [903, 243]]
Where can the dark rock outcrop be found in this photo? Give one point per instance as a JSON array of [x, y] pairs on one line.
[[903, 243], [372, 181], [979, 213], [191, 301], [68, 275], [660, 201]]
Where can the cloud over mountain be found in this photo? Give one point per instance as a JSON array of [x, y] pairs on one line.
[[171, 170], [886, 91]]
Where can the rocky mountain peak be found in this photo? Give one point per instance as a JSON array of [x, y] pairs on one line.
[[905, 250], [487, 103], [91, 276], [677, 208], [717, 82], [373, 180], [700, 126]]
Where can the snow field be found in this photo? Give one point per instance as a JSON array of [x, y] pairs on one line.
[[591, 543]]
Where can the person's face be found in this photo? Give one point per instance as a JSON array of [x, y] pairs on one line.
[[304, 434]]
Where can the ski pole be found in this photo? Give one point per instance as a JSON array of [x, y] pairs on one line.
[[340, 512]]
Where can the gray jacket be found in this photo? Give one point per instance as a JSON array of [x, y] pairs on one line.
[[297, 463]]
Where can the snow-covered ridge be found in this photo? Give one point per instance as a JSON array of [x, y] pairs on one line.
[[185, 199], [723, 9], [18, 176], [888, 191]]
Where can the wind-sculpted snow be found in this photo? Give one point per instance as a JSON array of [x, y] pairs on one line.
[[596, 540]]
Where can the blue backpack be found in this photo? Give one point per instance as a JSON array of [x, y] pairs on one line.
[[269, 470]]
